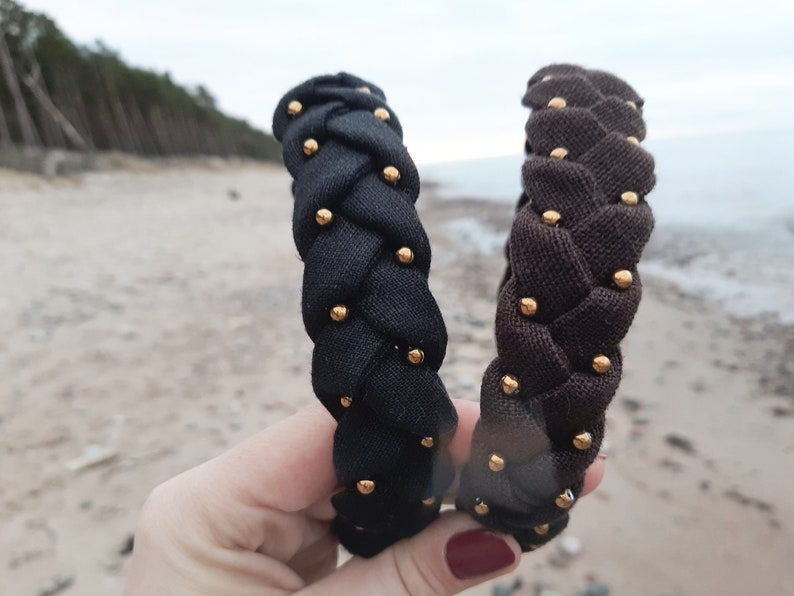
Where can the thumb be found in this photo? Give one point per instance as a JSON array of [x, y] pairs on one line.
[[452, 554]]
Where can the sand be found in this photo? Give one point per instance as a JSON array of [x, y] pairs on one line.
[[150, 319]]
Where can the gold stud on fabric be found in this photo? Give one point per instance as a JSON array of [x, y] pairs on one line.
[[565, 500], [496, 463], [416, 356], [382, 114], [310, 147], [634, 141], [481, 507], [629, 198], [632, 105], [557, 103], [323, 217], [601, 364], [365, 487], [510, 384], [359, 528], [583, 441], [405, 255], [428, 442], [528, 307], [623, 279], [546, 79], [541, 530], [346, 401], [559, 153], [430, 501], [364, 89], [339, 313], [294, 108], [551, 218], [391, 174]]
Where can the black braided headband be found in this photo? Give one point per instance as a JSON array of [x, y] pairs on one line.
[[568, 297]]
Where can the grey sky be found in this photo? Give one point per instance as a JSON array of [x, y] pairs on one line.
[[455, 71]]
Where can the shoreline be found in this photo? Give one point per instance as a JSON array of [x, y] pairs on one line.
[[153, 312]]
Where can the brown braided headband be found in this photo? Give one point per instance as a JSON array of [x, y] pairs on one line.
[[567, 299]]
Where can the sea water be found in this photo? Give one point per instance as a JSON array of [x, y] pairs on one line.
[[724, 207]]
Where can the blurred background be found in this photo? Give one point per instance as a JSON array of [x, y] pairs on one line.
[[150, 313]]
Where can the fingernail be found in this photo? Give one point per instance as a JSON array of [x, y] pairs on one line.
[[477, 552]]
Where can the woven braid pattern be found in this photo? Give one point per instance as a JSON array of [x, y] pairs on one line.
[[582, 218], [379, 338]]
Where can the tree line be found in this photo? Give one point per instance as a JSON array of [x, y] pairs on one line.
[[55, 94]]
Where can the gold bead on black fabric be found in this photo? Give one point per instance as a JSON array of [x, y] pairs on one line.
[[416, 356], [294, 108], [382, 114], [323, 217], [310, 147], [365, 487], [339, 313], [391, 174], [557, 103]]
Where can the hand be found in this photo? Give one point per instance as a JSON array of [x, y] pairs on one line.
[[256, 520]]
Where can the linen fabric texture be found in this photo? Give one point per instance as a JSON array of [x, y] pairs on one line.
[[352, 261], [567, 268]]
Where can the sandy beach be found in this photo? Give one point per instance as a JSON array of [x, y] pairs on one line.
[[150, 319]]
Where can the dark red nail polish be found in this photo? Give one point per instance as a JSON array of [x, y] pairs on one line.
[[477, 552]]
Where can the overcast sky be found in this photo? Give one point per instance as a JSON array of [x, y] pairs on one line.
[[454, 71]]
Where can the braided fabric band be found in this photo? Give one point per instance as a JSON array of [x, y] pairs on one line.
[[379, 338], [567, 299]]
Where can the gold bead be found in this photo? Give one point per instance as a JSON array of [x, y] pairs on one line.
[[365, 487], [557, 103], [310, 147], [546, 78], [528, 307], [339, 313], [405, 255], [634, 141], [346, 401], [481, 507], [559, 153], [623, 279], [496, 463], [542, 530], [509, 384], [428, 442], [323, 217], [391, 174], [294, 107], [632, 105], [382, 114], [364, 89], [601, 364], [551, 218], [583, 441], [565, 500], [629, 198], [359, 528], [430, 501], [416, 356]]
